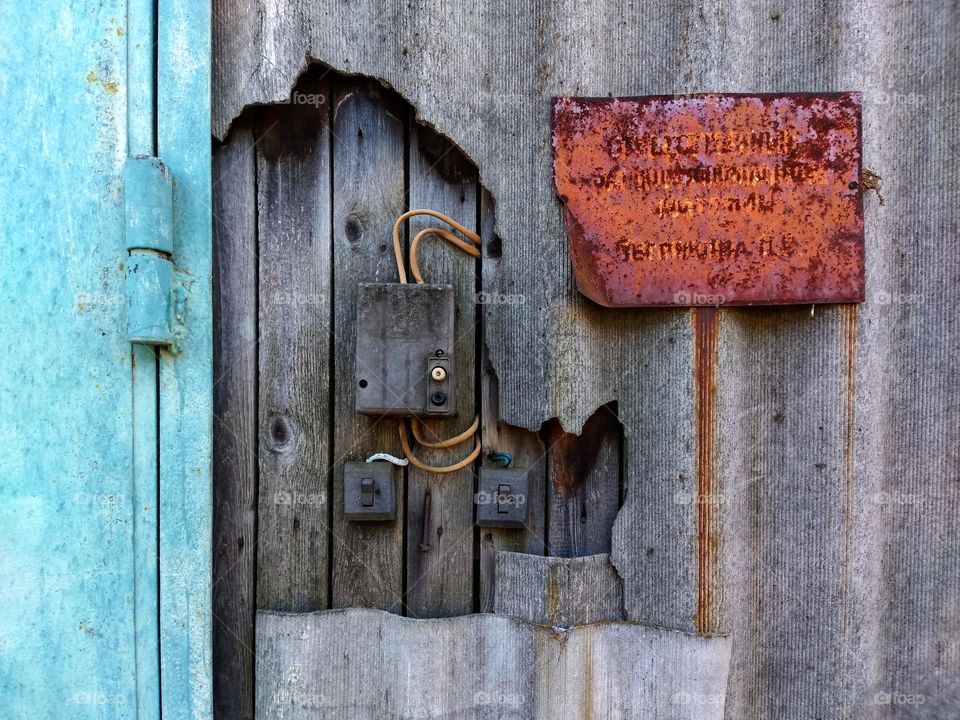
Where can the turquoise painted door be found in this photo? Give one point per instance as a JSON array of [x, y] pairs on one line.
[[104, 444]]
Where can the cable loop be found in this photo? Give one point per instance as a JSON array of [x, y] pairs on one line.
[[449, 442], [398, 250], [501, 457], [416, 462]]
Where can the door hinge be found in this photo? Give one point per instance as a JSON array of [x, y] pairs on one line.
[[156, 301]]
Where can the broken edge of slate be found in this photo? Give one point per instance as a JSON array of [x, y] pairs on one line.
[[361, 663]]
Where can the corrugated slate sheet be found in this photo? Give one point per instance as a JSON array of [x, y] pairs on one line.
[[372, 664], [792, 476]]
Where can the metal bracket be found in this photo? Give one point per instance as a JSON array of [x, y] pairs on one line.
[[156, 296]]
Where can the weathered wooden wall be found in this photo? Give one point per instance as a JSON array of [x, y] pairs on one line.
[[307, 193], [789, 477]]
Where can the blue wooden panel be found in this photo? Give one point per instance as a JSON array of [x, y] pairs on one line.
[[186, 395], [141, 140], [66, 544]]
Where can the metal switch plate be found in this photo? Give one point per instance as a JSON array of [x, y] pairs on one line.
[[502, 498], [405, 332], [368, 491]]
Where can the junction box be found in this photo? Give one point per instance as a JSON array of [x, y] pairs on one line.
[[405, 341]]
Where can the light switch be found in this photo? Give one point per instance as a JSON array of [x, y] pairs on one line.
[[502, 498], [368, 491]]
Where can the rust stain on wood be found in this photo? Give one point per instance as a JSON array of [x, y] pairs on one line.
[[849, 339], [705, 351], [572, 456], [712, 199], [586, 708]]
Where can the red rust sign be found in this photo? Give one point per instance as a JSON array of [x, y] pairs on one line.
[[712, 199]]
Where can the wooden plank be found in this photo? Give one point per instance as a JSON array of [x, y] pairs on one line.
[[183, 47], [583, 486], [368, 177], [440, 580], [293, 178], [560, 592], [370, 664], [524, 446], [234, 424], [141, 22]]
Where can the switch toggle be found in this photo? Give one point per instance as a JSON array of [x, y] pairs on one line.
[[505, 500], [367, 489]]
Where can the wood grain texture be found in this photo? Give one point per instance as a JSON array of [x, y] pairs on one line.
[[440, 580], [525, 447], [294, 216], [560, 592], [556, 355], [873, 390], [368, 180], [583, 485], [370, 664], [235, 424]]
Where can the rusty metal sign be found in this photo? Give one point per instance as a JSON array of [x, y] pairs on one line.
[[712, 199]]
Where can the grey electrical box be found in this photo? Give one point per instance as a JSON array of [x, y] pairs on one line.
[[405, 339], [502, 498], [368, 491]]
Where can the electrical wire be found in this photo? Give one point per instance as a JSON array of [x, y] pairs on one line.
[[439, 232], [387, 457], [398, 251], [418, 278], [449, 442], [441, 469], [503, 458]]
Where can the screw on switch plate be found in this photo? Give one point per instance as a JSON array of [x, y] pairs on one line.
[[368, 491], [502, 498]]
